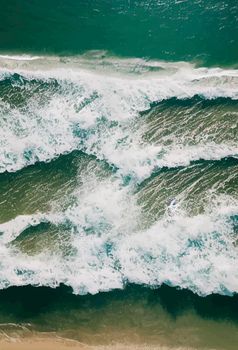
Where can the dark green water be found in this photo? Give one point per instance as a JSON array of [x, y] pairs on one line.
[[137, 315], [119, 171]]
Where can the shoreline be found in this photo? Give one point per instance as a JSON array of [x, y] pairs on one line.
[[57, 343], [40, 343], [145, 319]]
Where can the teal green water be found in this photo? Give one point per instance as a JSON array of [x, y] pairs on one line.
[[165, 29], [119, 171]]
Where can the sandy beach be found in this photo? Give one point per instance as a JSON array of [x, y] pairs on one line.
[[40, 345], [62, 344], [49, 344]]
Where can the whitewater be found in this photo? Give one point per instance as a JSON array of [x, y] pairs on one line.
[[65, 109], [137, 134]]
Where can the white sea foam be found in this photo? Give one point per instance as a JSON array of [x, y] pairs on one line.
[[19, 57], [109, 247], [180, 155], [92, 95], [93, 105]]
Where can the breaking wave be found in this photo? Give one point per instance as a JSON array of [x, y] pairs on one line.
[[95, 105], [99, 243], [151, 196]]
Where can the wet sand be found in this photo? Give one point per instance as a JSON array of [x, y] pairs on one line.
[[41, 344], [139, 317]]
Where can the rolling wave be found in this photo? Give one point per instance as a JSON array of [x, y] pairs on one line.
[[95, 105], [101, 235], [143, 189]]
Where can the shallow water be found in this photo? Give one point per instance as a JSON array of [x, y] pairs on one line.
[[137, 316]]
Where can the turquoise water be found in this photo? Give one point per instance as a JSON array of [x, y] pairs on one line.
[[119, 170], [163, 29]]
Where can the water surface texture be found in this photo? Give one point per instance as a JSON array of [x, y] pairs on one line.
[[119, 169]]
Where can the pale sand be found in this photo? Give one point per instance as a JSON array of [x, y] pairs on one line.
[[55, 344]]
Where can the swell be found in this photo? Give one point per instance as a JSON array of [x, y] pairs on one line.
[[192, 190], [223, 163], [216, 43], [36, 187]]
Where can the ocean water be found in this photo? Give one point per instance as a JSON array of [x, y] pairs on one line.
[[119, 170]]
